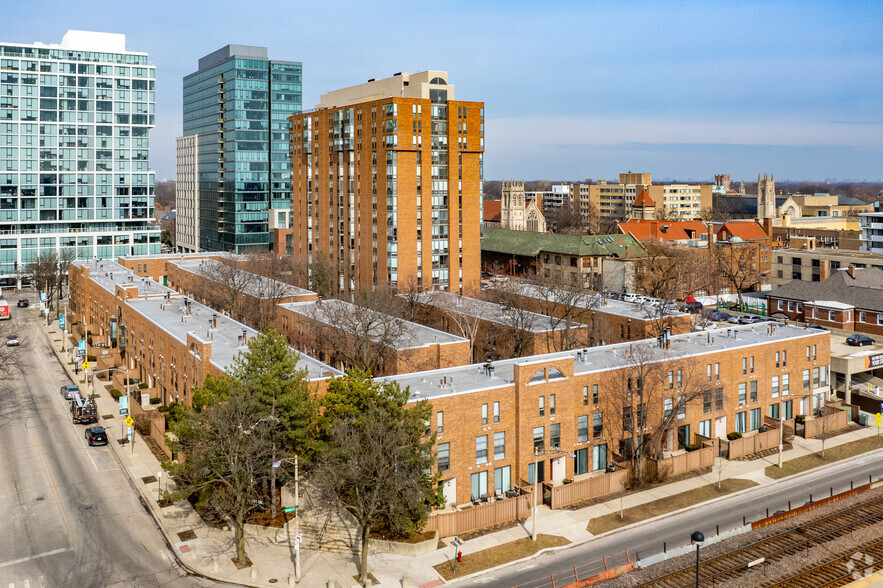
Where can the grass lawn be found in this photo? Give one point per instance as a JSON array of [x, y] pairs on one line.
[[669, 504], [814, 460], [489, 558]]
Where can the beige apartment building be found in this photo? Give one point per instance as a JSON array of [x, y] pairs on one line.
[[387, 185], [673, 201], [816, 265]]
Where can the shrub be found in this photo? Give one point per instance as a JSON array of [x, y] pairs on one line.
[[130, 381], [692, 446], [115, 393], [567, 481], [163, 408], [155, 400], [142, 386], [734, 435], [91, 358]]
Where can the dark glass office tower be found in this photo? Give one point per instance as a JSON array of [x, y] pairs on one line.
[[237, 105]]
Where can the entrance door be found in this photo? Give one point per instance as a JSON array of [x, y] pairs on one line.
[[449, 490], [720, 427], [558, 469]]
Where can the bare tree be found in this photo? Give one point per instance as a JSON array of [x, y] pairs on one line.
[[227, 285], [569, 308], [270, 285], [737, 265], [49, 271], [463, 315]]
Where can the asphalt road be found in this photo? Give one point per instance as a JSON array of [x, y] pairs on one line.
[[68, 516], [675, 530]]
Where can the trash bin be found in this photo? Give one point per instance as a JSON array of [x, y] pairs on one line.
[[863, 419]]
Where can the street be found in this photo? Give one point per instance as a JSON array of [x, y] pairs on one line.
[[647, 539], [67, 512]]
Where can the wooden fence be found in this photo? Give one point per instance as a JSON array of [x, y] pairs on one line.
[[833, 421], [754, 443], [683, 463], [589, 488], [157, 423], [479, 517]]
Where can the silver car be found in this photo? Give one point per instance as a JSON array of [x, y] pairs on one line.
[[68, 391]]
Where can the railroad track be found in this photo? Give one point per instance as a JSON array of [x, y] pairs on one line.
[[839, 571], [732, 564]]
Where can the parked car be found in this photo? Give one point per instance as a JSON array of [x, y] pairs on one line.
[[705, 325], [694, 306], [858, 340], [734, 319], [719, 315], [12, 340], [96, 436], [749, 319], [68, 391], [816, 327], [23, 303]]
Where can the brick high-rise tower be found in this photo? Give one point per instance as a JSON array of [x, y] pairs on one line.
[[387, 185]]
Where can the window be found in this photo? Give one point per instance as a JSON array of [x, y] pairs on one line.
[[484, 414], [496, 412], [777, 359], [595, 394], [786, 410], [718, 399], [551, 405], [440, 422], [581, 463], [705, 428], [755, 419], [582, 428], [667, 406], [479, 485], [784, 359], [785, 384], [861, 316], [779, 302], [805, 380], [814, 356], [708, 371], [539, 434], [542, 402], [444, 457], [774, 411], [752, 388], [740, 422], [815, 378], [481, 449], [502, 479], [775, 386], [751, 364], [671, 380], [717, 371], [555, 436], [831, 315], [824, 372], [680, 379], [743, 394], [706, 402], [599, 457], [500, 445], [744, 366], [597, 425], [808, 355], [682, 408], [585, 395]]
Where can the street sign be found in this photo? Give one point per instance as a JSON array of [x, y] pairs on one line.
[[457, 542], [290, 509], [129, 421], [86, 365], [298, 538], [124, 405], [879, 417], [129, 434], [61, 322], [81, 347]]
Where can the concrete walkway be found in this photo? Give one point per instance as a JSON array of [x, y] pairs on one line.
[[210, 552]]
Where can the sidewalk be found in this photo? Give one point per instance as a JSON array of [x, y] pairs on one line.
[[207, 551]]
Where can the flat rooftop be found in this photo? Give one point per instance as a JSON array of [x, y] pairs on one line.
[[596, 302], [411, 335], [473, 378], [173, 256], [257, 286], [167, 315], [108, 274], [489, 311]]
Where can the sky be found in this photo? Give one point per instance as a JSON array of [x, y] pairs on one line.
[[572, 90]]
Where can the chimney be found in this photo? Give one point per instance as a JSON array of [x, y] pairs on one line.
[[851, 271], [244, 337], [214, 321], [824, 269]]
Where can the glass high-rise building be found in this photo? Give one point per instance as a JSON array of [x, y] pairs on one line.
[[74, 151], [236, 108]]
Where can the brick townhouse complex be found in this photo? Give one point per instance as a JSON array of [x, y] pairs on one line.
[[166, 340], [578, 408]]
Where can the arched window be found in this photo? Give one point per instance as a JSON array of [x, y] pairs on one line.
[[555, 374], [438, 81], [538, 378]]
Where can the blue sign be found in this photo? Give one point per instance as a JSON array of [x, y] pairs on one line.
[[61, 322], [81, 349]]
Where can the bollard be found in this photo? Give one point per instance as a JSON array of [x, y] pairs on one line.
[[605, 563], [664, 550], [291, 581], [576, 576], [406, 582], [851, 485], [789, 505], [552, 577], [743, 520], [717, 529], [832, 491], [254, 573], [767, 512], [810, 497]]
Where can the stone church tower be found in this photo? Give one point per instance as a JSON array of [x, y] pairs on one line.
[[766, 197], [512, 208]]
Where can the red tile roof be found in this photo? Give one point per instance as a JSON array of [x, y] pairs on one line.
[[663, 230], [747, 231], [644, 199], [492, 210]]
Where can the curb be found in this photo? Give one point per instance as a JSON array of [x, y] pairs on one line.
[[654, 519], [146, 500]]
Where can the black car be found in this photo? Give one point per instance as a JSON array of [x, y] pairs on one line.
[[816, 327], [23, 303], [96, 436], [694, 306], [719, 315], [859, 340]]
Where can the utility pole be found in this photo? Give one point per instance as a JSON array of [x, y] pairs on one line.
[[781, 434], [536, 476], [296, 520]]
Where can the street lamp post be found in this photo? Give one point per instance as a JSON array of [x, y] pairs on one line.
[[697, 537], [781, 434], [296, 513], [536, 477]]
